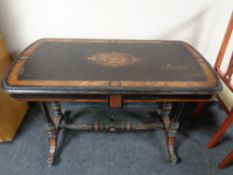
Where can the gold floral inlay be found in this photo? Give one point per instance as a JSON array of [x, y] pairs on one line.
[[113, 59]]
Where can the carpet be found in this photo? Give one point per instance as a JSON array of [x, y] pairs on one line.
[[140, 153]]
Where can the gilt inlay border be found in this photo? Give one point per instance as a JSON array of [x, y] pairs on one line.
[[14, 81]]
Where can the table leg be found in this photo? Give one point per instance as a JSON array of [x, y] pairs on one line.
[[59, 115], [171, 127], [52, 126]]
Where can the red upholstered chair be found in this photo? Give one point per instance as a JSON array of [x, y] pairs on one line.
[[224, 68]]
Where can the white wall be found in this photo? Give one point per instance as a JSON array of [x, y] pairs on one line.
[[202, 23]]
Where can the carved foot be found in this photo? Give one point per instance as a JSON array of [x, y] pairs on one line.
[[52, 141], [171, 142], [172, 156]]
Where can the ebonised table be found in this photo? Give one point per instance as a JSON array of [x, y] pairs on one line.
[[113, 71]]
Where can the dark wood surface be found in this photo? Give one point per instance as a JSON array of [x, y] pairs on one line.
[[63, 66]]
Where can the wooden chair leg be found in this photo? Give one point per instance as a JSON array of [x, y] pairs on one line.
[[228, 121], [226, 161], [198, 108]]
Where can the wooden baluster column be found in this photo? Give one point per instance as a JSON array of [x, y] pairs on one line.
[[52, 136], [52, 126], [171, 127]]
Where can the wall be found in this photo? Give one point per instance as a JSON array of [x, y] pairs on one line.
[[202, 23]]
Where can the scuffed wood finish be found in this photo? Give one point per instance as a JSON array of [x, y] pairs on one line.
[[116, 72], [104, 85]]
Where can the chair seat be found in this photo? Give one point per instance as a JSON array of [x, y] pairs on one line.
[[227, 97]]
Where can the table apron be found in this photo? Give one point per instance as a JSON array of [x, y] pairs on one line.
[[124, 98]]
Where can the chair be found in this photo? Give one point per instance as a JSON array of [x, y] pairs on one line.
[[224, 68]]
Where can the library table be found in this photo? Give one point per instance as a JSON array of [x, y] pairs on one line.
[[116, 72]]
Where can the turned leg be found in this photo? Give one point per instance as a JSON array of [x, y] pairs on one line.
[[217, 136], [52, 126], [171, 138], [165, 114], [171, 128], [198, 108], [226, 161], [59, 114], [51, 129]]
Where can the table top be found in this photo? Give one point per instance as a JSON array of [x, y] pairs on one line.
[[75, 66]]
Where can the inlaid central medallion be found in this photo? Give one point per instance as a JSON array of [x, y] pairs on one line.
[[113, 59]]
